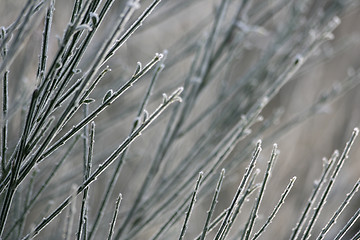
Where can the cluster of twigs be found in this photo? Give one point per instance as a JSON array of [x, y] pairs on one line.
[[224, 112]]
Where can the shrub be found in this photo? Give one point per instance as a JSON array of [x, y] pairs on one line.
[[77, 155]]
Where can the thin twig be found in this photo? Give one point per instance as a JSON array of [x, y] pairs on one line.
[[113, 221]]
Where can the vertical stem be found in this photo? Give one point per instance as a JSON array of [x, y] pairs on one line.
[[4, 134]]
